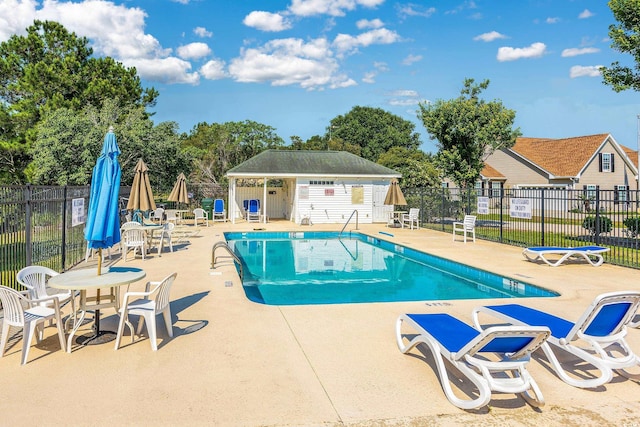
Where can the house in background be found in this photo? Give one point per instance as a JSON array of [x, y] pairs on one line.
[[583, 162], [318, 186]]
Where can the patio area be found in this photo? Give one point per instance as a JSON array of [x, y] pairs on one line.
[[233, 362]]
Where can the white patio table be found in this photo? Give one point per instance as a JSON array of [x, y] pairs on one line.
[[88, 279]]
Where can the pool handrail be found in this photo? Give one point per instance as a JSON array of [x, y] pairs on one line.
[[355, 211], [221, 244]]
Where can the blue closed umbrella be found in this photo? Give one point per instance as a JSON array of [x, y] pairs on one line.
[[103, 222]]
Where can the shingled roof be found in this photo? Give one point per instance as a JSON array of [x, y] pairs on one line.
[[280, 163], [559, 157]]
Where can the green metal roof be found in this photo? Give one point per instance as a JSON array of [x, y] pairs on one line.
[[280, 163]]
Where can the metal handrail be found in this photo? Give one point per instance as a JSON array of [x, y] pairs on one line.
[[221, 244], [355, 211]]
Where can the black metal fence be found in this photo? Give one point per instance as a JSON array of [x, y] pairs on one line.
[[42, 225], [37, 223], [540, 217]]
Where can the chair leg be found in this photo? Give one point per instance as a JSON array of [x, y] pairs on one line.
[[150, 318], [167, 322], [121, 329], [27, 336], [5, 335]]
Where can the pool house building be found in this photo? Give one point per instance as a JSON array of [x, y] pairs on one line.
[[310, 187]]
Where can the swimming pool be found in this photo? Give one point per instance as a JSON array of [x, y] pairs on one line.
[[292, 268]]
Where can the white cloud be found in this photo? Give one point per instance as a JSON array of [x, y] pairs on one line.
[[404, 97], [113, 30], [552, 20], [365, 23], [165, 70], [536, 50], [369, 77], [584, 71], [586, 14], [415, 10], [289, 62], [202, 32], [575, 51], [410, 59], [181, 1], [329, 7], [490, 36], [380, 66], [213, 70], [194, 51], [266, 21], [349, 43]]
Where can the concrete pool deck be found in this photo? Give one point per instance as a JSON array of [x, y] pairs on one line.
[[233, 362]]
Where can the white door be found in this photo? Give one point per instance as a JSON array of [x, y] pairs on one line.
[[380, 210]]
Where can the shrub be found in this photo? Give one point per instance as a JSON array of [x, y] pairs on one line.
[[633, 225], [590, 224]]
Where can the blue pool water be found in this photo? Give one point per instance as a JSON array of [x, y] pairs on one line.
[[290, 268]]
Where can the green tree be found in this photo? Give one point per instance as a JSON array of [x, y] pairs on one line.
[[69, 142], [219, 147], [468, 129], [374, 130], [417, 167], [625, 38], [50, 68]]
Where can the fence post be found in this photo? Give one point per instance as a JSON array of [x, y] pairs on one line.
[[542, 216], [597, 230], [63, 252], [442, 207], [27, 223], [501, 214]]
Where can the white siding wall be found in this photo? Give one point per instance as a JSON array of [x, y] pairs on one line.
[[277, 205], [331, 209]]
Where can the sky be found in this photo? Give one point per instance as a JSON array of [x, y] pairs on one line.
[[296, 64]]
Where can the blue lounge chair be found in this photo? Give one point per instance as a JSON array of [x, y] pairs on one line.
[[219, 212], [253, 212], [596, 338], [474, 353], [592, 254]]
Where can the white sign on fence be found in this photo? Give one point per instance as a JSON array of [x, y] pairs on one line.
[[483, 205], [520, 208], [77, 212]]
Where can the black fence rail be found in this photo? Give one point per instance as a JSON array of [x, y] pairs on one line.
[[540, 217]]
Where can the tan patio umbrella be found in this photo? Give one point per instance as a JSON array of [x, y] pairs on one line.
[[141, 197], [179, 192], [394, 195]]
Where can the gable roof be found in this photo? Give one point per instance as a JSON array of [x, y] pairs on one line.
[[285, 163], [559, 157]]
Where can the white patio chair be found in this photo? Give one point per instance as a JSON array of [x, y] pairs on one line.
[[165, 237], [34, 278], [155, 300], [467, 226], [202, 215], [28, 314], [219, 212], [411, 219], [157, 215], [171, 216], [134, 238]]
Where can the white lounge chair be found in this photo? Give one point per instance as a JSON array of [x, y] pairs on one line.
[[466, 227], [253, 211], [592, 254], [154, 300], [597, 337], [493, 360]]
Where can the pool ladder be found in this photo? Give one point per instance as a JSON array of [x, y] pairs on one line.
[[355, 211], [222, 244]]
